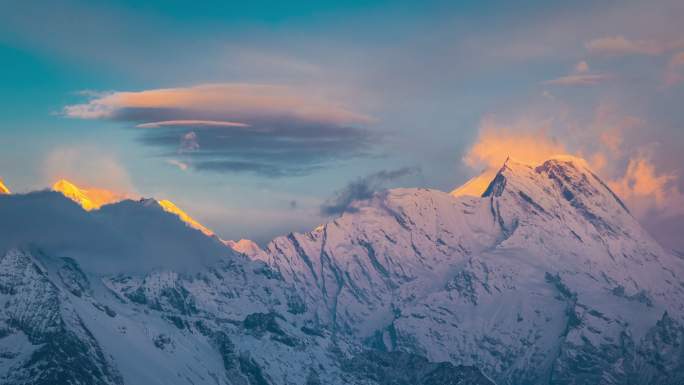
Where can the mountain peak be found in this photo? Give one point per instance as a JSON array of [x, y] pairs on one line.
[[94, 198], [480, 185], [74, 193], [247, 247], [90, 199], [3, 189]]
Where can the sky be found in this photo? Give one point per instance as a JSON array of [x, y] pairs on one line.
[[264, 117]]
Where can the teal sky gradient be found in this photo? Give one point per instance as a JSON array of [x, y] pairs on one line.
[[429, 74]]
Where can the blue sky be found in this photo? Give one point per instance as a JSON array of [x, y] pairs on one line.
[[253, 115]]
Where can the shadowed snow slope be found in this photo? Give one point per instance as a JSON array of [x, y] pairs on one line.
[[544, 279], [127, 236]]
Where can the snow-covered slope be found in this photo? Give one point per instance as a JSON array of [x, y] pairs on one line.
[[128, 294], [545, 279]]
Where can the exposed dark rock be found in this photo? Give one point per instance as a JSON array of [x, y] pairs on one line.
[[400, 368]]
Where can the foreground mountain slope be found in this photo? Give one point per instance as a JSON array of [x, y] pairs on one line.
[[75, 311], [546, 278]]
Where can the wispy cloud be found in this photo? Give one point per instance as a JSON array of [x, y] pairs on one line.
[[581, 77], [181, 165], [582, 67], [88, 166], [270, 130], [648, 192], [578, 80], [619, 45], [361, 189], [188, 143], [191, 123]]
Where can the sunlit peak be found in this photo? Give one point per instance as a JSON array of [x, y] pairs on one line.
[[475, 186], [169, 207], [3, 188], [90, 199]]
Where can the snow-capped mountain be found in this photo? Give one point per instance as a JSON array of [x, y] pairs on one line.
[[92, 199], [544, 279]]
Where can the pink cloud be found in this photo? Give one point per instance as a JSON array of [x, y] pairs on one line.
[[524, 141], [619, 45], [186, 123], [578, 80], [229, 101], [646, 191]]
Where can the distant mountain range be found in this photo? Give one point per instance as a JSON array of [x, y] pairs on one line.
[[546, 278]]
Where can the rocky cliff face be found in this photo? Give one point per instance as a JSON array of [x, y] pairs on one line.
[[545, 279]]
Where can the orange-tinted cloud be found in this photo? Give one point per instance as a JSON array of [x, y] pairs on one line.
[[600, 142], [611, 127], [226, 100], [524, 142], [646, 191]]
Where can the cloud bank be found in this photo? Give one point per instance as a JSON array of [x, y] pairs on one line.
[[270, 130]]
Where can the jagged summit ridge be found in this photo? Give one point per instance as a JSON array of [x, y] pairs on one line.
[[477, 185], [94, 199], [89, 199]]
